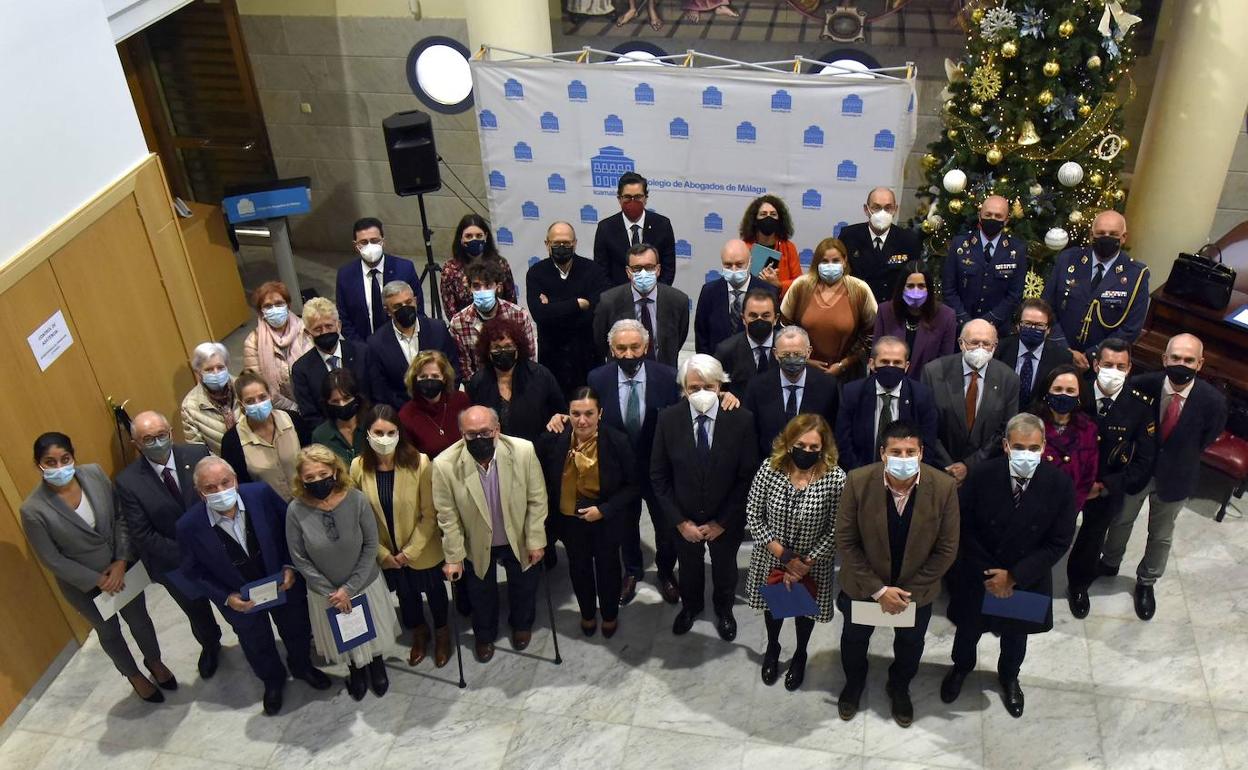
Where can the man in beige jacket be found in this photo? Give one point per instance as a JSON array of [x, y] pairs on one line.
[[490, 496]]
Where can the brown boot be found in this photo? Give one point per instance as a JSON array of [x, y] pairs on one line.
[[441, 646], [420, 645]]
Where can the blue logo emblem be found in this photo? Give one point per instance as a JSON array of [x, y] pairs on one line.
[[813, 137], [851, 105], [529, 210], [513, 90], [498, 181], [550, 123], [806, 257], [643, 94], [811, 199], [781, 101], [712, 98], [589, 214], [555, 184], [746, 132], [713, 223], [504, 237], [837, 228], [488, 120], [678, 128], [885, 140], [910, 106], [606, 168], [846, 171], [523, 152], [712, 275], [613, 126], [533, 261], [577, 92], [684, 250]]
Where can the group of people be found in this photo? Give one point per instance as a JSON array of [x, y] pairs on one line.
[[845, 412]]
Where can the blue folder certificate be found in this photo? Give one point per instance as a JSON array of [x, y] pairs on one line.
[[1022, 605], [761, 256], [351, 629], [785, 602], [266, 592]]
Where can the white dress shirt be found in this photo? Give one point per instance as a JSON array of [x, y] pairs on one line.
[[236, 528], [895, 393], [628, 226], [652, 309], [622, 379], [409, 345], [713, 414], [337, 352], [785, 382], [966, 382], [365, 269], [160, 469]]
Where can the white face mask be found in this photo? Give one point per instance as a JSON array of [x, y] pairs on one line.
[[901, 468], [1024, 462], [1110, 380], [383, 445], [371, 252], [703, 400], [977, 358], [881, 220]]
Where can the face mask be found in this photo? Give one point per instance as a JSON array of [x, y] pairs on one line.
[[881, 220], [481, 448], [158, 452], [889, 377], [630, 366], [1110, 380], [792, 365], [831, 271], [1061, 403], [804, 459], [736, 278], [1105, 246], [430, 389], [405, 316], [503, 360], [383, 445], [703, 400], [326, 342], [562, 254], [633, 209], [1030, 337], [977, 358], [222, 501], [644, 281], [914, 297], [1179, 374], [991, 227], [474, 249], [901, 468], [371, 252], [321, 488], [276, 316], [759, 330], [58, 477], [767, 225], [484, 300], [260, 411], [1023, 462], [216, 380], [345, 411]]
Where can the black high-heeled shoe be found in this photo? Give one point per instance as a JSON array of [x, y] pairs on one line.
[[377, 676], [771, 665], [170, 684], [357, 682], [797, 671], [156, 697]]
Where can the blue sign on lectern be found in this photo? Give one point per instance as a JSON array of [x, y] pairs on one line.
[[281, 198]]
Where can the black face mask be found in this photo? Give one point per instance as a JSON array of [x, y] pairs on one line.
[[326, 342], [481, 448], [630, 366], [767, 225], [321, 488], [793, 365], [1180, 374], [405, 316], [991, 227], [1061, 403], [760, 330], [1105, 246], [430, 389], [474, 248], [503, 360], [889, 377], [804, 459], [345, 411], [562, 254]]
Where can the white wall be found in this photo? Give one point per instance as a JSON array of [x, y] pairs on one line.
[[69, 128]]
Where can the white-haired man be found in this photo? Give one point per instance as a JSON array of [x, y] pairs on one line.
[[791, 388]]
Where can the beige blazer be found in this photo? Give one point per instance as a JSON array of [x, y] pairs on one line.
[[459, 497], [415, 520]]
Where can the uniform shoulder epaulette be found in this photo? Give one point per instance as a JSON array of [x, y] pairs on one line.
[[1141, 395]]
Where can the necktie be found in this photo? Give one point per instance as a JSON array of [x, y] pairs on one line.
[[879, 244], [704, 438], [735, 310], [636, 235], [1025, 375], [1018, 490], [334, 363], [886, 416], [1171, 417], [761, 363], [171, 484], [1107, 403], [988, 252], [972, 399], [643, 315], [632, 411], [1098, 273], [790, 404], [379, 308]]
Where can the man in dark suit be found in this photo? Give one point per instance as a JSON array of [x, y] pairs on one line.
[[633, 226], [1190, 415], [330, 351], [152, 494], [235, 537], [1032, 353], [869, 405], [794, 387], [895, 540], [877, 249], [392, 347], [663, 310], [721, 303], [975, 396], [703, 461], [1126, 421], [985, 270], [1006, 548], [358, 292], [748, 352], [563, 293]]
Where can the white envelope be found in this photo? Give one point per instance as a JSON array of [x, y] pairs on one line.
[[136, 580], [872, 614]]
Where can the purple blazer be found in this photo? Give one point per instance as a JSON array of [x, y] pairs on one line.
[[1074, 452], [930, 341]]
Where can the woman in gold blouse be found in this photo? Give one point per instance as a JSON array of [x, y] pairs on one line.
[[836, 309], [589, 481], [397, 480]]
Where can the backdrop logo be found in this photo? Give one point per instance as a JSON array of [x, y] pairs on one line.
[[746, 132], [523, 152], [712, 275], [806, 257], [529, 210], [555, 184], [577, 92], [811, 199], [488, 120], [781, 101], [851, 105], [678, 128], [504, 236], [589, 214], [533, 261], [606, 168], [846, 171], [549, 123], [885, 141], [838, 227], [813, 137], [613, 126], [684, 250], [713, 223], [513, 90], [712, 98], [498, 181], [643, 94]]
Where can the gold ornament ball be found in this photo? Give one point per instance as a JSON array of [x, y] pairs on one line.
[[952, 133], [1094, 62], [1075, 217], [928, 226], [930, 161], [1119, 195], [977, 109], [977, 15], [1085, 110], [1066, 28], [1009, 49], [949, 105], [1044, 98], [1096, 179], [993, 155], [1051, 69], [1124, 145], [954, 205]]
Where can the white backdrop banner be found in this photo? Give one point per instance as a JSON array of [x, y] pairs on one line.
[[555, 138]]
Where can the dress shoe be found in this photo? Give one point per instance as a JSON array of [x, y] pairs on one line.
[[273, 697], [1080, 603], [771, 665], [797, 671], [156, 696], [357, 682], [902, 708], [609, 627], [847, 703], [1104, 570], [1012, 694], [628, 591], [726, 626], [589, 627], [441, 646], [669, 590], [484, 652], [683, 622], [209, 659], [377, 676], [420, 645], [520, 639], [314, 677], [1145, 602], [170, 682], [951, 685]]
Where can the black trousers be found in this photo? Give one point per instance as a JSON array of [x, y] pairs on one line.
[[665, 538], [966, 642], [198, 612], [593, 550], [521, 594], [408, 584], [907, 645], [255, 636], [723, 572], [1098, 514]]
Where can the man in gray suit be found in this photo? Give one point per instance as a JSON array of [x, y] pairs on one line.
[[663, 310], [152, 494], [975, 396]]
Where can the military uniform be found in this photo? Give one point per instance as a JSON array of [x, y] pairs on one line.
[[1085, 315], [991, 288]]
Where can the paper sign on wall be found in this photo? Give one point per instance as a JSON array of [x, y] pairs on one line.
[[50, 340]]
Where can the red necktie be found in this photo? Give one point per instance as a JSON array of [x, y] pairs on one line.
[[1171, 417], [167, 476], [972, 396]]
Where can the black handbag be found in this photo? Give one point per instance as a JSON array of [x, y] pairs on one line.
[[1199, 279]]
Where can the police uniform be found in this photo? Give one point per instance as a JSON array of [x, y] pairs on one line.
[[1126, 439], [1086, 316], [990, 289]]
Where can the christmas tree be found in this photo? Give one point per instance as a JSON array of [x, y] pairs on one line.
[[1033, 112]]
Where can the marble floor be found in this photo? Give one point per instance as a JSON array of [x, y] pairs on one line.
[[1107, 692]]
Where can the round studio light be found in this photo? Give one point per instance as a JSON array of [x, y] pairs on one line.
[[439, 75], [638, 53], [846, 63]]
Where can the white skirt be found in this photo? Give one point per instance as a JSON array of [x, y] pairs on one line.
[[383, 621]]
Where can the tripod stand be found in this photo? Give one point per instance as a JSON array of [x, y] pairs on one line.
[[431, 267]]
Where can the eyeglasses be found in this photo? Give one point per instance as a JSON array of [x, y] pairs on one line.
[[331, 527], [367, 241], [508, 349], [159, 438], [474, 436], [557, 244], [1033, 325], [632, 198]]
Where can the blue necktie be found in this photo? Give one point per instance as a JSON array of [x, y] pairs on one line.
[[790, 406], [704, 438], [632, 411], [1025, 375]]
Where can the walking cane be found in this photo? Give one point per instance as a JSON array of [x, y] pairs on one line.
[[459, 653], [550, 607]]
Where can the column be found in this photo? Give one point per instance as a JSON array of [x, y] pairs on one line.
[[521, 25]]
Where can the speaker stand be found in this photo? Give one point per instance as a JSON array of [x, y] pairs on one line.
[[431, 267]]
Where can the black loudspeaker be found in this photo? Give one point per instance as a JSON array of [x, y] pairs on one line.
[[413, 157]]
